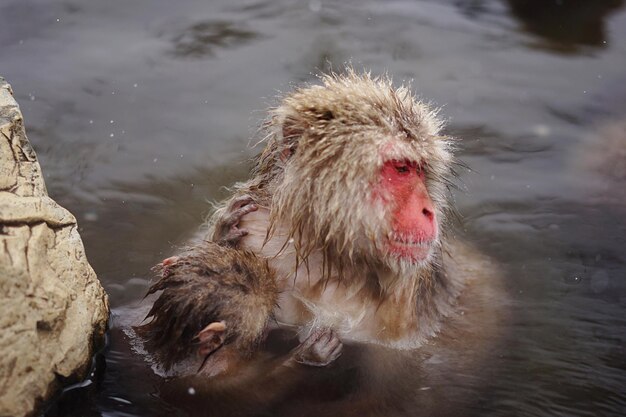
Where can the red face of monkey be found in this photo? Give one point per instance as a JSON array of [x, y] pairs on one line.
[[413, 219]]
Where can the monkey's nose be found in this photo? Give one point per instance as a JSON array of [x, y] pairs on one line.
[[428, 214], [416, 217], [425, 222]]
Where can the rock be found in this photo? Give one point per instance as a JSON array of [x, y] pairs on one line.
[[53, 310]]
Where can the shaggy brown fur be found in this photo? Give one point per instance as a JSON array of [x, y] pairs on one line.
[[323, 153], [326, 145], [207, 284]]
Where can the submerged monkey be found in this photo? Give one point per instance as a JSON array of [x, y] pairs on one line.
[[339, 234]]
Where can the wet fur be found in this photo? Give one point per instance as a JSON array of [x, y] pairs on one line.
[[319, 226], [209, 283]]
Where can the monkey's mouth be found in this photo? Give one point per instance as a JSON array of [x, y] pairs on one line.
[[410, 248]]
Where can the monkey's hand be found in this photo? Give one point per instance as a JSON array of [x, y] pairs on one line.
[[210, 296], [227, 230], [321, 348]]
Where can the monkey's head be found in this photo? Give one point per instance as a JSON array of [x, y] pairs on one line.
[[358, 168]]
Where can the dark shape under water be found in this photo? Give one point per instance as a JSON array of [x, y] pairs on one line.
[[202, 38], [567, 24]]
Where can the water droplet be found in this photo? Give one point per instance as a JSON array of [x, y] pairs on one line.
[[573, 279], [91, 216], [135, 85], [541, 130], [91, 122], [315, 5], [112, 135], [112, 121], [599, 282], [191, 391]]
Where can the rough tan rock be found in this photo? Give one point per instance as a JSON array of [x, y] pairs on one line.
[[53, 310]]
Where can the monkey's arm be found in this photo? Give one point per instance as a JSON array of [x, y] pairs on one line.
[[214, 309], [212, 297]]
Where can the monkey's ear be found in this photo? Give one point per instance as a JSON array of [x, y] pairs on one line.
[[291, 130], [211, 338], [286, 153]]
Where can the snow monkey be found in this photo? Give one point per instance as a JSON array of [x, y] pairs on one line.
[[339, 234]]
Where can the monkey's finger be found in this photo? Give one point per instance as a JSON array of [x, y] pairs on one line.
[[330, 337], [320, 349], [325, 347], [336, 352], [333, 341], [315, 337], [242, 211], [320, 356], [233, 219], [170, 260], [334, 345], [305, 347], [241, 201], [233, 236], [237, 233]]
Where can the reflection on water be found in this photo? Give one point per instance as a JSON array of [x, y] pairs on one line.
[[565, 26], [142, 111], [566, 23], [202, 38], [604, 153]]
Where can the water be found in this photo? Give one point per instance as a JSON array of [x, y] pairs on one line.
[[142, 111]]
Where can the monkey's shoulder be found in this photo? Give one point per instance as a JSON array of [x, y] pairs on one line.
[[481, 307], [464, 263]]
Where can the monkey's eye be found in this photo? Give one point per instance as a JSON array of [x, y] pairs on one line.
[[402, 168]]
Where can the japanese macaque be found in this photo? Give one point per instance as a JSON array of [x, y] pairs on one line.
[[340, 233]]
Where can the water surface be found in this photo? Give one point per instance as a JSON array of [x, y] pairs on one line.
[[141, 112]]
